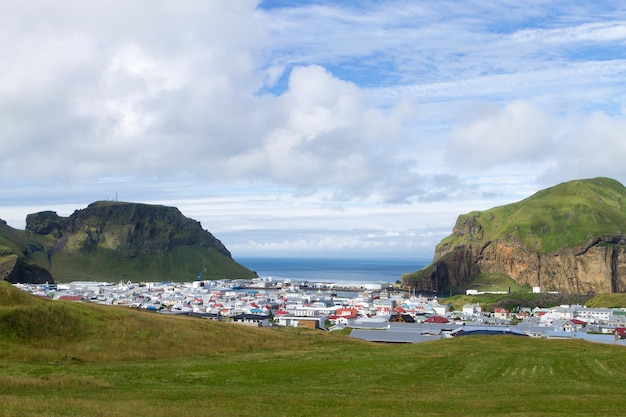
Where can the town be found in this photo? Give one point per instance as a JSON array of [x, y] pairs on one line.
[[372, 312]]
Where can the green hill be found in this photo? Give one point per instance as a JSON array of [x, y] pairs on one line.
[[111, 241], [568, 238], [58, 331], [563, 216]]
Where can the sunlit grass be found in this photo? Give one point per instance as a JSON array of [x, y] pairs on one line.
[[474, 376], [128, 362]]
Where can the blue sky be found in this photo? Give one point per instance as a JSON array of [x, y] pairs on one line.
[[308, 128]]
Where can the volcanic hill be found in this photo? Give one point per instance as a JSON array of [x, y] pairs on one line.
[[110, 241], [568, 238]]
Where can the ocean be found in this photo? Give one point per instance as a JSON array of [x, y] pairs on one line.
[[333, 270]]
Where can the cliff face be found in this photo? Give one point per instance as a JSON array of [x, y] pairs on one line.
[[111, 241], [600, 268], [531, 248], [129, 228], [16, 249], [16, 269]]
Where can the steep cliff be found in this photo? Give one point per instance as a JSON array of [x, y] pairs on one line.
[[568, 238], [112, 241], [16, 251], [129, 228]]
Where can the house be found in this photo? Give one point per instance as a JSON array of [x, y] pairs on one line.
[[522, 315], [300, 321], [401, 318], [570, 325], [441, 309], [345, 311], [501, 313], [437, 319], [563, 312], [470, 310], [345, 320], [312, 310], [597, 315], [255, 320], [384, 307]]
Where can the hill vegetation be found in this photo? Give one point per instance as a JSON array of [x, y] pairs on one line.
[[512, 301], [564, 216], [111, 241], [567, 238], [495, 282], [76, 359]]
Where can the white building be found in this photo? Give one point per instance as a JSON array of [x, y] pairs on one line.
[[593, 314], [299, 321], [470, 310]]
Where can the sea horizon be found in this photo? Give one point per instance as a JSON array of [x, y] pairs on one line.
[[335, 269]]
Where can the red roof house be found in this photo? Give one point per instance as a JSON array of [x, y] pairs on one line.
[[347, 312], [437, 319]]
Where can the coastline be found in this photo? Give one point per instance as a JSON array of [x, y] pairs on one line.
[[346, 272]]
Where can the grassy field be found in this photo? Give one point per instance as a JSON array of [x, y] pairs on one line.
[[74, 359], [493, 282]]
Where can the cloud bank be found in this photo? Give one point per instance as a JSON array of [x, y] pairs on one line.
[[345, 115]]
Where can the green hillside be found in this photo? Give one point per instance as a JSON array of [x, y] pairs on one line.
[[492, 282], [57, 331], [76, 359], [178, 264], [562, 216], [112, 241]]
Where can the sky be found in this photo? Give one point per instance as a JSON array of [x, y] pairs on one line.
[[308, 128]]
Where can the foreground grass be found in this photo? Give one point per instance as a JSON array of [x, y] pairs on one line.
[[74, 359], [472, 376]]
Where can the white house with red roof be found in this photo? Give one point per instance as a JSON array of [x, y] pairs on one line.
[[501, 313], [347, 311], [346, 320]]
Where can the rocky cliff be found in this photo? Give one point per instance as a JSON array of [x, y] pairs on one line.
[[111, 241], [16, 269], [129, 228], [568, 238], [15, 250]]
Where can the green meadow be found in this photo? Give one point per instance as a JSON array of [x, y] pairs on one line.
[[74, 359]]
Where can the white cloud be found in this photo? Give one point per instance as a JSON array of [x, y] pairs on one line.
[[328, 134], [597, 31], [593, 146], [490, 136], [355, 119]]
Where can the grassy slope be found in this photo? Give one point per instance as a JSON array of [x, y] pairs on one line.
[[57, 330], [123, 362], [488, 282], [512, 300], [179, 264], [608, 301], [562, 216]]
